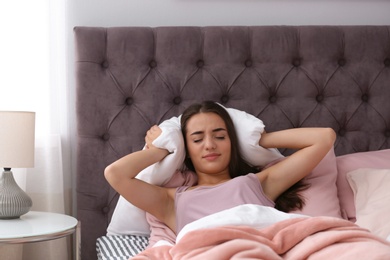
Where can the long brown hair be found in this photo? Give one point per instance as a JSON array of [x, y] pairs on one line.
[[287, 201]]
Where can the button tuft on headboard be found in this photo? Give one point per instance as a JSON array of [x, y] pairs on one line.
[[177, 100], [296, 62], [224, 99], [129, 101], [319, 98], [106, 136], [365, 97], [153, 64], [105, 64], [341, 62], [387, 62], [272, 99], [200, 63], [105, 209]]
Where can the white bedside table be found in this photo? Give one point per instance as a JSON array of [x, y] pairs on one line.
[[38, 226]]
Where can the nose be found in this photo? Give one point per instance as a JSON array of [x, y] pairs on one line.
[[210, 143]]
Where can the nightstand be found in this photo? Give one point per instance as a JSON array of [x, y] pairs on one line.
[[36, 226]]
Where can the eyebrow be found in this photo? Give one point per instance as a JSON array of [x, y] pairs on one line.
[[214, 131]]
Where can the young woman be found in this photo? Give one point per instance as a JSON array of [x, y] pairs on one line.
[[225, 180]]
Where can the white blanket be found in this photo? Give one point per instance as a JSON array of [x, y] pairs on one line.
[[244, 215]]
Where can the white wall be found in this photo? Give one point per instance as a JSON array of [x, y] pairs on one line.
[[227, 12]]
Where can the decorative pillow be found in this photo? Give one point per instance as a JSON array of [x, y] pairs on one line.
[[128, 219], [349, 162], [372, 196], [321, 196]]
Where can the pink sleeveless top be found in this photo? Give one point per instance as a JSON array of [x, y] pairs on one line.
[[191, 205]]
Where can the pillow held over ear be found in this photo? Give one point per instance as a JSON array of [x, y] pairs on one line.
[[249, 129]]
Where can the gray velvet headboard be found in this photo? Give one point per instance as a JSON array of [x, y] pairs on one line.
[[130, 78]]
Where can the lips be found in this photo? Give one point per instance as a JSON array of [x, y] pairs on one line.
[[211, 156]]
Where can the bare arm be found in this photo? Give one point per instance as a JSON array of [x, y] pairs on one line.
[[312, 145], [151, 198]]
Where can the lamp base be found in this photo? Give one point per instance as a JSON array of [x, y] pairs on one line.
[[14, 202]]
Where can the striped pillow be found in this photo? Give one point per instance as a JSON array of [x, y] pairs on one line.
[[120, 247]]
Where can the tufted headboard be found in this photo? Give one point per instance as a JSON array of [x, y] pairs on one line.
[[129, 78]]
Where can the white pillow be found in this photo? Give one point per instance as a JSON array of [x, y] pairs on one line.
[[371, 188], [249, 129], [128, 219]]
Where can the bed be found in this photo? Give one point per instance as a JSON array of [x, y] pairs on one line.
[[129, 78]]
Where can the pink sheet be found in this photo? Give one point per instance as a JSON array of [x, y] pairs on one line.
[[299, 238]]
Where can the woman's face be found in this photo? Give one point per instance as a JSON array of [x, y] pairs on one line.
[[208, 143]]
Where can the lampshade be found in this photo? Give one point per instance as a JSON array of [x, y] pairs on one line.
[[17, 139], [17, 145]]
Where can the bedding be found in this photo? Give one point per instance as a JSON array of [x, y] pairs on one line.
[[120, 247], [349, 162], [321, 201], [130, 78], [239, 233], [321, 198], [372, 196]]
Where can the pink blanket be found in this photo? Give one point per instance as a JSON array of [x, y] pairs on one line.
[[299, 238]]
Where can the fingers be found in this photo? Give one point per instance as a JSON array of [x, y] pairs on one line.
[[152, 135], [154, 131]]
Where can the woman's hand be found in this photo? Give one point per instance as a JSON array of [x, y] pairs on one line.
[[152, 135], [312, 144]]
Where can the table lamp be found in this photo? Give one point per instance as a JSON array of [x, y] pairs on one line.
[[17, 144]]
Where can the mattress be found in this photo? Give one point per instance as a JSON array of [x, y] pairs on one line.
[[120, 247]]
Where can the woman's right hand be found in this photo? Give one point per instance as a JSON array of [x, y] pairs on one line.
[[152, 135]]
